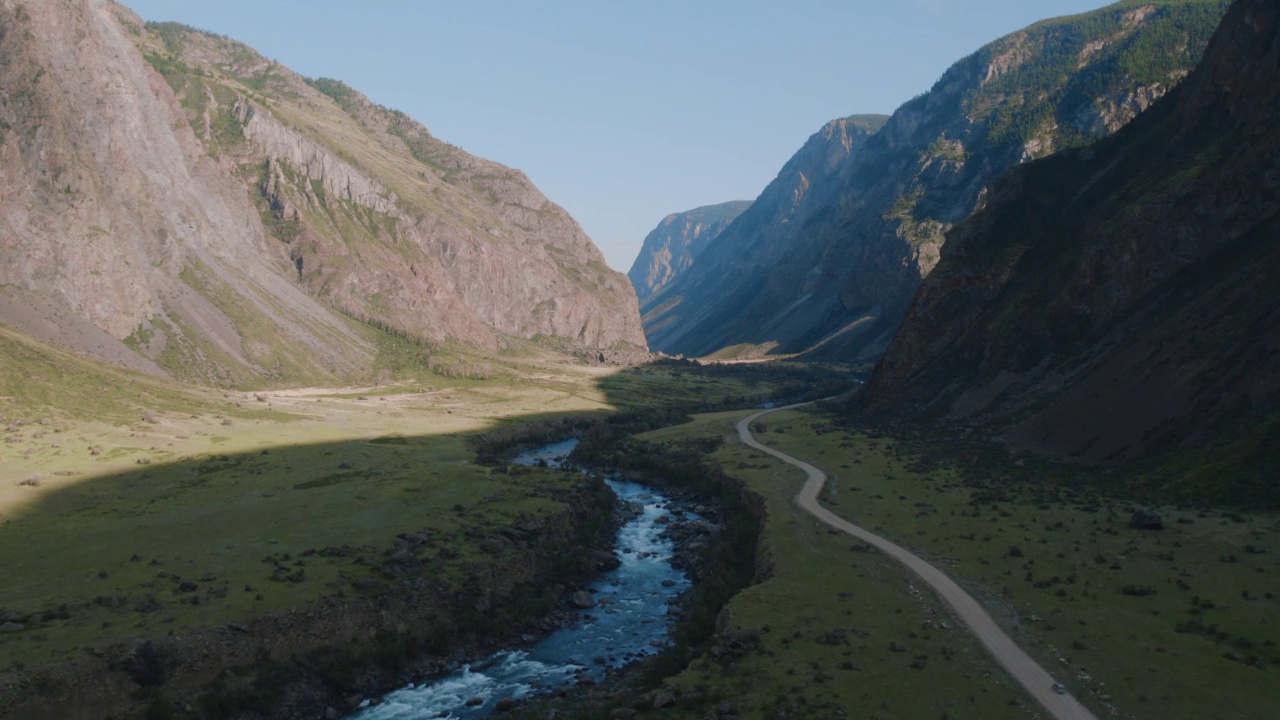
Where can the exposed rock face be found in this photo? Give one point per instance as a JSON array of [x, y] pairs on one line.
[[1124, 297], [486, 251], [837, 278], [760, 237], [209, 210], [108, 199], [673, 246]]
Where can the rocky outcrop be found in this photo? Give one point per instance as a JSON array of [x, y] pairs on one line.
[[673, 246], [837, 278], [215, 215], [312, 161], [1120, 299]]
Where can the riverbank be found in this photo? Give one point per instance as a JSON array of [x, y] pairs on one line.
[[423, 604], [619, 618], [721, 564]]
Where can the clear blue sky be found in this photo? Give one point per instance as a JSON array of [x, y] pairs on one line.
[[624, 111]]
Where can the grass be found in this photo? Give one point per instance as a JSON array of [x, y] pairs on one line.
[[111, 539], [844, 632], [141, 484], [235, 486], [39, 381], [1172, 624]]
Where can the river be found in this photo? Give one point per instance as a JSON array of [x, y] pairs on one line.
[[629, 622]]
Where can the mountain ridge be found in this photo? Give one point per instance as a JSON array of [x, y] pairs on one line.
[[225, 222], [759, 235], [839, 280], [673, 246]]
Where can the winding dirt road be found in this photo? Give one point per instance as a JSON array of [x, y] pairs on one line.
[[1035, 679]]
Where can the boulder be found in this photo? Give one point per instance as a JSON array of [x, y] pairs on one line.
[[1146, 520], [603, 560], [583, 599]]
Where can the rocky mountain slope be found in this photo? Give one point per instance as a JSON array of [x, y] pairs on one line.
[[839, 275], [759, 238], [672, 247], [1123, 297], [174, 199]]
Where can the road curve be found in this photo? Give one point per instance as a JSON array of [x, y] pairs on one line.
[[1035, 679]]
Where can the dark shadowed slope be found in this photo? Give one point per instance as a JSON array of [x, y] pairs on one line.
[[761, 236], [1123, 297]]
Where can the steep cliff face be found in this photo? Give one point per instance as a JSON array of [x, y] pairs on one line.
[[761, 237], [382, 219], [1123, 297], [673, 246], [211, 213], [838, 280], [111, 207]]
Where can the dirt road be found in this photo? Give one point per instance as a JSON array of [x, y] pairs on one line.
[[1035, 679]]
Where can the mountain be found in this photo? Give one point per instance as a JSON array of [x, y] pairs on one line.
[[759, 237], [837, 277], [174, 200], [677, 241], [1121, 298]]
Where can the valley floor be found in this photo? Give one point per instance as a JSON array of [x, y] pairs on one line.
[[1175, 623], [133, 508]]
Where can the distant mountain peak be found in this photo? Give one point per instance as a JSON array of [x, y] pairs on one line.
[[829, 256]]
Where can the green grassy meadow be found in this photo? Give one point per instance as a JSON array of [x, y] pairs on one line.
[[844, 632], [133, 507], [1174, 623], [119, 491]]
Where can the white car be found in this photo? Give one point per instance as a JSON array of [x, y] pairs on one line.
[[1060, 688]]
